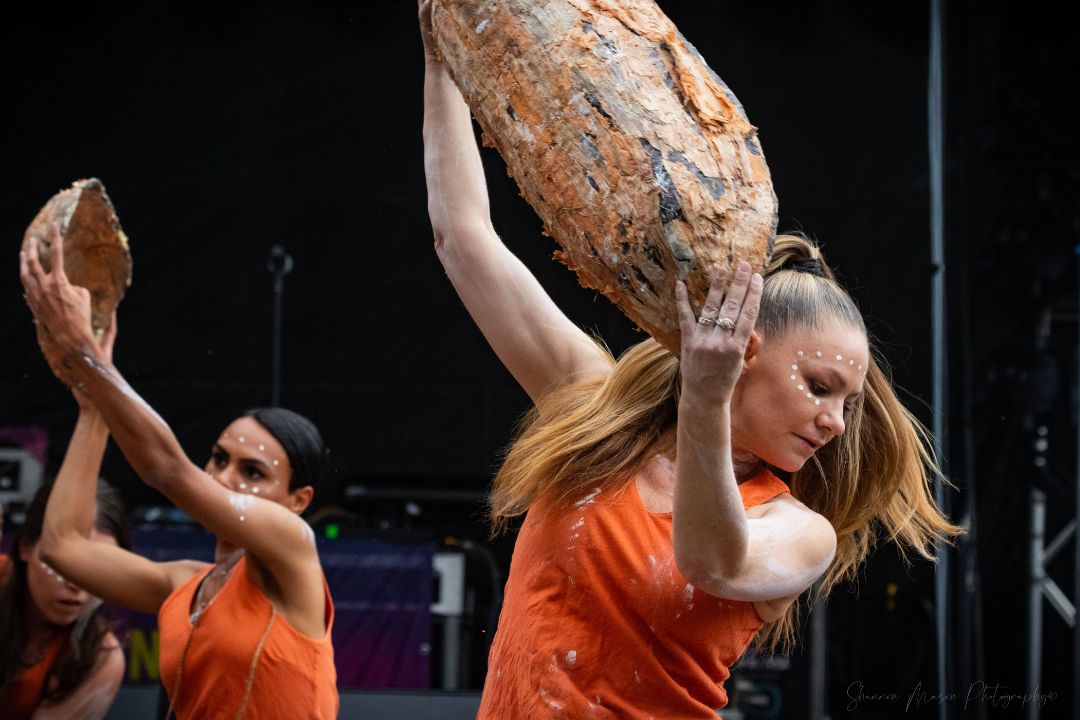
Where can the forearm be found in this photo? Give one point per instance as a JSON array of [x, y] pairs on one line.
[[710, 529], [457, 191], [71, 506], [142, 435]]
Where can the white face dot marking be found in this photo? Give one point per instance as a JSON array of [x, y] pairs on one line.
[[800, 386], [801, 354], [261, 446], [818, 353], [275, 463], [794, 366], [852, 362], [241, 438], [243, 486], [792, 377], [839, 357], [809, 395], [255, 490], [817, 402]]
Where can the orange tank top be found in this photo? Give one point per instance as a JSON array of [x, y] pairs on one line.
[[23, 695], [294, 676], [599, 623]]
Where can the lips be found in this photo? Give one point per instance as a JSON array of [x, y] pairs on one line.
[[810, 445]]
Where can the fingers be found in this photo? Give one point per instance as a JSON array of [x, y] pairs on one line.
[[733, 299], [57, 240], [30, 270], [711, 308], [748, 313], [682, 306]]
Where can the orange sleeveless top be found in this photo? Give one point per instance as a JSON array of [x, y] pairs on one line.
[[294, 676], [23, 695], [599, 623]]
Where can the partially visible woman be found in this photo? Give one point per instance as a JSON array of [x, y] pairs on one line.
[[246, 636], [58, 658]]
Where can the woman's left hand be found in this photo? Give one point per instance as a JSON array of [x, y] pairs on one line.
[[61, 308], [714, 343]]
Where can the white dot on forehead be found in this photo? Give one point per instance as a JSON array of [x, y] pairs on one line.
[[809, 395], [818, 353], [801, 353], [241, 438], [799, 386], [839, 357], [794, 366], [792, 377], [261, 446], [817, 402], [255, 490], [275, 462]]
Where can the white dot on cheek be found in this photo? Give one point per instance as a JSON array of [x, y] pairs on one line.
[[262, 447], [801, 354], [243, 486], [818, 353], [794, 366], [792, 377], [275, 463], [839, 357], [800, 386], [241, 438], [241, 518], [255, 490], [817, 402]]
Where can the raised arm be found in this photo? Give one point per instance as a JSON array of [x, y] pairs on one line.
[[769, 553], [280, 540], [536, 342], [104, 570]]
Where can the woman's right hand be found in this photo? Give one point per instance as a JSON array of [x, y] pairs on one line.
[[715, 342]]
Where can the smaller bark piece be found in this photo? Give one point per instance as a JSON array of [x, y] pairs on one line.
[[96, 253]]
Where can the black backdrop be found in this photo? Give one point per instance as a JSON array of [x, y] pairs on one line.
[[222, 131]]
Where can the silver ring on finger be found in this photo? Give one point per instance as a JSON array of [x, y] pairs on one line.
[[702, 320], [725, 323]]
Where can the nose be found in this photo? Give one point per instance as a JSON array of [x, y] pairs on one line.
[[831, 419]]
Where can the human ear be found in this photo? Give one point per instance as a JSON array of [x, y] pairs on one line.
[[753, 345], [301, 498]]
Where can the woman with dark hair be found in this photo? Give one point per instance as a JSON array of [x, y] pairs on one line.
[[58, 658], [250, 633], [676, 506]]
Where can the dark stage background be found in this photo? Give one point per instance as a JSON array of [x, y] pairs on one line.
[[222, 131]]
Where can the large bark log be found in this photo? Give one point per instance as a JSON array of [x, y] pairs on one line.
[[638, 159], [96, 254]]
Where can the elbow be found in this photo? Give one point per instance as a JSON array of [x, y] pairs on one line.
[[52, 548], [709, 567]]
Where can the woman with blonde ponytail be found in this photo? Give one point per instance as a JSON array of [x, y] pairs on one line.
[[675, 507]]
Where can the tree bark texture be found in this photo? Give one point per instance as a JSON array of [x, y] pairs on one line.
[[638, 158], [96, 253]]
